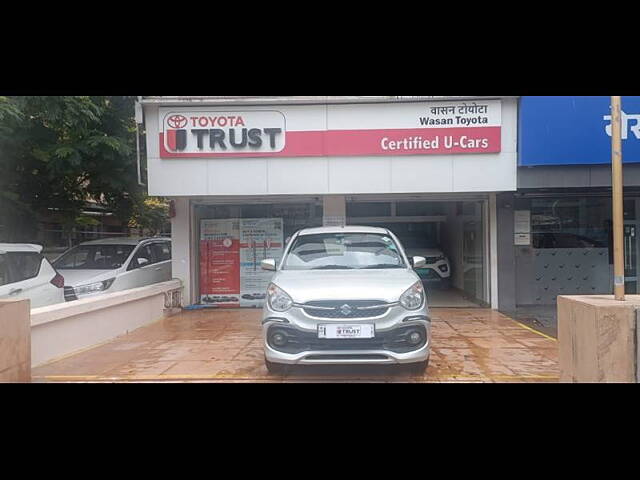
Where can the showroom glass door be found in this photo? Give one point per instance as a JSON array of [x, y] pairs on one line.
[[473, 249]]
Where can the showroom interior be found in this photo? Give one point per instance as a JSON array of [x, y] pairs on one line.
[[450, 231]]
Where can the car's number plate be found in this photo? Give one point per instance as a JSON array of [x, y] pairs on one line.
[[346, 331]]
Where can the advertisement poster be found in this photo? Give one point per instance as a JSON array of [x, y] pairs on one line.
[[231, 251], [219, 262], [260, 238]]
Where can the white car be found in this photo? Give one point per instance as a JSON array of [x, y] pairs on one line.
[[26, 273], [114, 264], [437, 267]]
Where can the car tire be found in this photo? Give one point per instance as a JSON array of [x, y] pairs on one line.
[[276, 368], [419, 367]]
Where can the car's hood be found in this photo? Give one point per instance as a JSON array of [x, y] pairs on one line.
[[73, 278], [423, 252], [304, 286]]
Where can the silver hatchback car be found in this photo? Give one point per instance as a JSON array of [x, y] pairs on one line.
[[345, 295]]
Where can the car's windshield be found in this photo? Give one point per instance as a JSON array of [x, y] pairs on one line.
[[343, 251], [94, 257]]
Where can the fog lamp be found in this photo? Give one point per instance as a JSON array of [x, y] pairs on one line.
[[415, 338], [279, 339]]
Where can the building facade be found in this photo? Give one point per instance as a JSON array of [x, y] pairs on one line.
[[466, 175]]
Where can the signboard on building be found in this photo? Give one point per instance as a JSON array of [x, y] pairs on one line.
[[565, 130], [420, 128], [522, 227]]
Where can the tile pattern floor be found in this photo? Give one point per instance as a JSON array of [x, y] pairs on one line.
[[469, 345]]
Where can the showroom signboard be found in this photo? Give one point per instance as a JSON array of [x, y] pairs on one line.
[[420, 128], [575, 130]]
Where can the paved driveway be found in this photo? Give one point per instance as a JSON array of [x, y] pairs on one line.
[[469, 345]]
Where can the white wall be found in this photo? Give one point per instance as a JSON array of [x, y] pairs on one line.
[[62, 329], [181, 246], [332, 175]]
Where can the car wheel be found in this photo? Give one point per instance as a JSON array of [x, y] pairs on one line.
[[419, 367], [276, 368]]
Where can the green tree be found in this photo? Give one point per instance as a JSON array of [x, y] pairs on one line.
[[151, 215], [58, 151]]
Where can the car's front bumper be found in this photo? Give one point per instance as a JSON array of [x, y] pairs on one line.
[[382, 349]]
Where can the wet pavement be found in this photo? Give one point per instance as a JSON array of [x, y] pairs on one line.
[[469, 345]]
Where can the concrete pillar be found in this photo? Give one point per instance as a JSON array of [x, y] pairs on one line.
[[507, 272], [597, 338], [15, 341], [335, 210], [181, 246]]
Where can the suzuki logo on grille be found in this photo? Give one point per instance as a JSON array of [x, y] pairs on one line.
[[346, 310]]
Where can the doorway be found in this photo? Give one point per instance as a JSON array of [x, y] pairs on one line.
[[450, 234]]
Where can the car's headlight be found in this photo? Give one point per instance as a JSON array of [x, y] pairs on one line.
[[441, 257], [279, 300], [414, 296], [93, 287]]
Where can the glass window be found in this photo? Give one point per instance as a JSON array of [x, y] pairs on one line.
[[94, 257], [420, 209], [4, 269], [343, 251], [162, 251], [144, 256], [573, 222], [369, 209], [25, 265]]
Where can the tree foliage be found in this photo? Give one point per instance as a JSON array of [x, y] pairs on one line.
[[151, 215], [58, 151]]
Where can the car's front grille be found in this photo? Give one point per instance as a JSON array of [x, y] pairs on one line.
[[69, 294], [395, 340], [345, 308]]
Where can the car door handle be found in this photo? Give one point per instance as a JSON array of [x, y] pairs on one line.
[[15, 291], [157, 269]]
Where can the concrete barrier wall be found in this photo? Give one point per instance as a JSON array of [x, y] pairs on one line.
[[15, 341], [597, 338], [59, 330]]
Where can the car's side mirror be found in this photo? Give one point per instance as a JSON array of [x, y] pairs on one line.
[[419, 262], [268, 264], [142, 261]]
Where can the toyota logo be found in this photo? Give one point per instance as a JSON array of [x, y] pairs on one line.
[[345, 310], [177, 121]]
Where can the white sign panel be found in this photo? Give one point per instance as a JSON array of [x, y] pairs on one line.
[[427, 128]]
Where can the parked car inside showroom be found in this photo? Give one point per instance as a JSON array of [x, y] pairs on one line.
[[345, 295], [26, 273], [114, 264], [437, 268]]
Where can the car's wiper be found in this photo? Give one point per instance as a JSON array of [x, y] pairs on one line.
[[380, 265], [332, 267]]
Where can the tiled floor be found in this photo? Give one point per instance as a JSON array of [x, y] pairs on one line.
[[469, 345]]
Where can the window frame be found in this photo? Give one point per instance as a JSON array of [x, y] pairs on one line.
[[134, 255]]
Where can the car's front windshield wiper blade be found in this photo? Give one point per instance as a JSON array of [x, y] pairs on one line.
[[381, 265], [332, 267]]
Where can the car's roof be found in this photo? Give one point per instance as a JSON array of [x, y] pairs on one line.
[[20, 247], [345, 229], [122, 240]]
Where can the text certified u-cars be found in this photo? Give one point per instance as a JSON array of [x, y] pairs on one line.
[[345, 295]]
